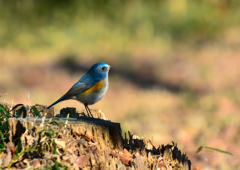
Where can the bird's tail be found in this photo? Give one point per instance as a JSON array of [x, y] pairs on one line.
[[55, 103]]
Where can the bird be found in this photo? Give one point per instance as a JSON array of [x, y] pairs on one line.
[[90, 88]]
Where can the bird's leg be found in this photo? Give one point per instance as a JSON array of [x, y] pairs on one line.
[[88, 111]]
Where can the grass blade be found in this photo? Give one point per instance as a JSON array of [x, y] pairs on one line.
[[16, 106], [63, 118], [4, 111], [19, 155], [4, 115], [57, 122], [35, 111], [2, 138], [19, 112], [214, 149]]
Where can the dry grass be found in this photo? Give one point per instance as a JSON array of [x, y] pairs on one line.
[[204, 111]]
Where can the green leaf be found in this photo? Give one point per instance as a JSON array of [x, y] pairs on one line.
[[63, 118], [4, 110], [35, 111], [3, 94], [19, 147], [4, 126], [4, 115], [19, 155], [20, 111], [57, 166], [55, 147], [2, 138], [199, 149], [16, 106], [2, 146], [215, 149], [57, 122], [16, 139]]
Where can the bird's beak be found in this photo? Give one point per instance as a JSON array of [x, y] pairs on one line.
[[110, 66]]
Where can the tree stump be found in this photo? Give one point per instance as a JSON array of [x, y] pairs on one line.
[[82, 142], [102, 130]]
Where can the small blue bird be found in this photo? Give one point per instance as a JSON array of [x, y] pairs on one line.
[[90, 88]]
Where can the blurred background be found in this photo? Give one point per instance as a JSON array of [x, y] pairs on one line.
[[176, 72]]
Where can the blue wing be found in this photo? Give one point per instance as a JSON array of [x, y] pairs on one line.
[[76, 88]]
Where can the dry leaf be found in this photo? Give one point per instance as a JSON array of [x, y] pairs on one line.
[[160, 159], [114, 154], [1, 154], [120, 153], [135, 137], [93, 148], [13, 150], [30, 139], [69, 150], [79, 133], [95, 152], [35, 164], [43, 139], [127, 154], [162, 165], [140, 160], [88, 137], [106, 154], [7, 158], [60, 143], [124, 160], [149, 146], [82, 161]]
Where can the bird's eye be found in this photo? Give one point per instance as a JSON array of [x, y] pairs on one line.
[[103, 68]]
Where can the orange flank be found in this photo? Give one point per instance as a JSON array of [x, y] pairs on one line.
[[95, 88]]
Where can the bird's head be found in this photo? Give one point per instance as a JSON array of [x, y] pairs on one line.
[[100, 69]]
